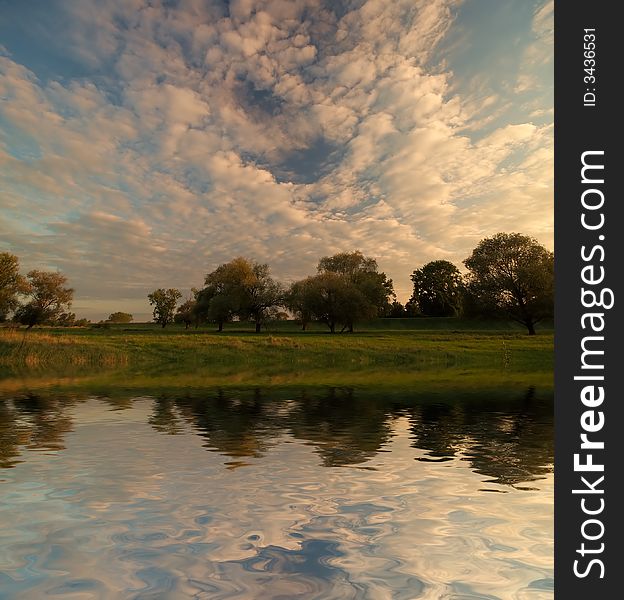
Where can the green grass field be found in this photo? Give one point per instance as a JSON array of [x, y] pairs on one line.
[[387, 352]]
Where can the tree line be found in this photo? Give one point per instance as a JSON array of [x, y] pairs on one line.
[[508, 275], [39, 297]]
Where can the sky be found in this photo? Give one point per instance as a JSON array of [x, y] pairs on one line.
[[145, 142]]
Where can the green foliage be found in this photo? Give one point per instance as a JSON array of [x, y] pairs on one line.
[[120, 317], [187, 313], [512, 274], [12, 284], [438, 289], [240, 288], [328, 297], [347, 289], [164, 303], [49, 299]]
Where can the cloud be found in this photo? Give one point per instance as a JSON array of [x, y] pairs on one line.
[[284, 131]]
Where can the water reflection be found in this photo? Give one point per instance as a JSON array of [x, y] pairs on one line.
[[278, 493], [506, 436]]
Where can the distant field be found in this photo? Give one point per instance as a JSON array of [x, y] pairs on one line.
[[387, 351], [415, 324]]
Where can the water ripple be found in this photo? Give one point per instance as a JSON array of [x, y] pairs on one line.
[[126, 509]]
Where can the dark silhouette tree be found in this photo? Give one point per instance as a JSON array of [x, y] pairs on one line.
[[438, 289], [49, 298], [119, 317], [186, 313], [512, 274]]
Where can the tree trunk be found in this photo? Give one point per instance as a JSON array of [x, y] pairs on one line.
[[164, 325], [531, 327], [220, 326], [303, 327], [258, 326], [332, 328], [350, 327]]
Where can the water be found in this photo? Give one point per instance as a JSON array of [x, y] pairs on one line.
[[277, 494]]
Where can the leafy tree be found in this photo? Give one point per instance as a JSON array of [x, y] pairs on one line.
[[186, 313], [164, 303], [241, 287], [12, 284], [438, 289], [49, 298], [396, 310], [297, 300], [120, 317], [368, 292], [346, 289], [326, 297], [214, 305], [67, 319], [513, 274], [411, 309]]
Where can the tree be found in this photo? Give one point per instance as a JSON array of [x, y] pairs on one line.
[[346, 289], [240, 287], [513, 274], [396, 310], [66, 319], [324, 298], [297, 301], [213, 305], [367, 293], [438, 289], [12, 284], [49, 298], [164, 303], [186, 313], [120, 317]]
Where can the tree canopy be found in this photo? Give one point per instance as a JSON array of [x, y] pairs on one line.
[[242, 288], [348, 288], [513, 274], [438, 289], [12, 284], [164, 302], [49, 298], [119, 317]]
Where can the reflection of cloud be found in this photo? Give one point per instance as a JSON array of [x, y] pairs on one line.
[[197, 116], [171, 518]]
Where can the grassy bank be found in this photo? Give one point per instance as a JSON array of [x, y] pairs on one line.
[[146, 356]]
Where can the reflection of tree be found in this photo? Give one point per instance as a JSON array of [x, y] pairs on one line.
[[345, 429], [504, 437], [507, 439], [10, 438], [237, 424], [164, 417], [33, 422]]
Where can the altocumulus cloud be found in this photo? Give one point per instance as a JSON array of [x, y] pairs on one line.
[[143, 143]]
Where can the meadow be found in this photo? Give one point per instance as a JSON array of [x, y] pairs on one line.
[[390, 352]]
